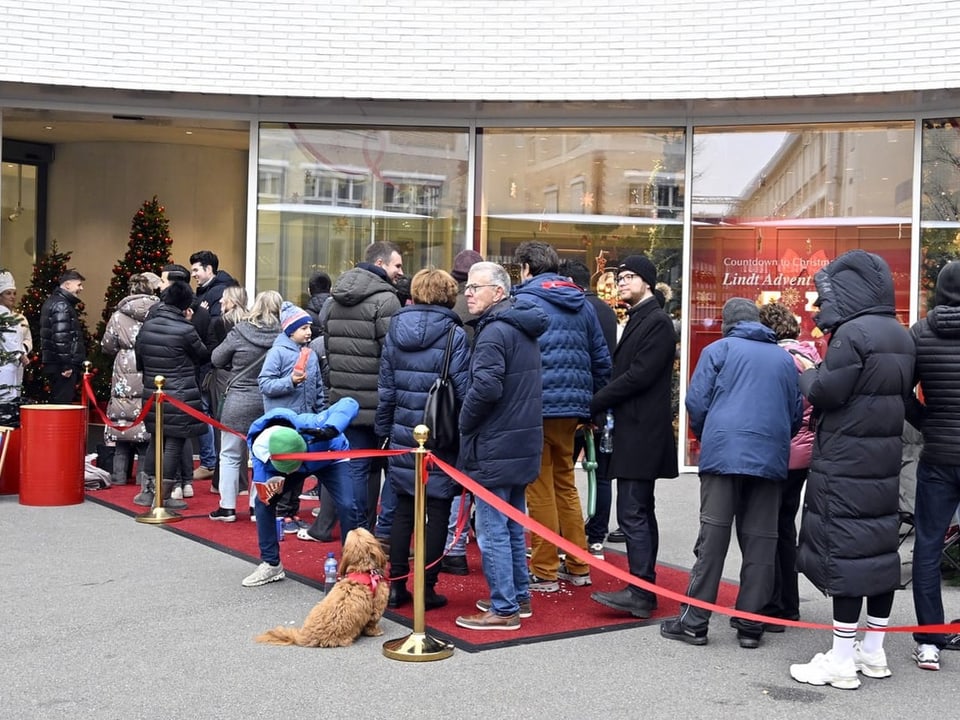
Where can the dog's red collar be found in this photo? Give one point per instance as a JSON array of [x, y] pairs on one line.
[[370, 579]]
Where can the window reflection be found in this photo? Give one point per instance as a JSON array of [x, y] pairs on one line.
[[596, 195], [773, 205], [325, 193], [939, 202]]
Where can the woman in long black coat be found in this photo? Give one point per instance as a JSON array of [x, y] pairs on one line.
[[849, 526], [168, 345]]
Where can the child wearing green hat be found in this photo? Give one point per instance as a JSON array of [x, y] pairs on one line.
[[282, 431]]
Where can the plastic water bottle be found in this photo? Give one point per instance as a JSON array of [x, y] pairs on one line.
[[606, 436], [329, 572]]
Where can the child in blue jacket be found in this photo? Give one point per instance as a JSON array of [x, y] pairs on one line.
[[283, 431]]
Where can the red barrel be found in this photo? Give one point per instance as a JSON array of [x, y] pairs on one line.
[[10, 475], [52, 447]]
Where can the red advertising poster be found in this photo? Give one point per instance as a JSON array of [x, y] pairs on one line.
[[772, 261]]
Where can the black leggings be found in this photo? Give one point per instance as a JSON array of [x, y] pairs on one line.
[[847, 609]]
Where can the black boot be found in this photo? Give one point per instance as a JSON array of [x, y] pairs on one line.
[[433, 600], [399, 596], [121, 461]]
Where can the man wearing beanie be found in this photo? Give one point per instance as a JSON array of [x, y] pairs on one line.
[[364, 300], [644, 449], [455, 559], [462, 263], [744, 405], [937, 340]]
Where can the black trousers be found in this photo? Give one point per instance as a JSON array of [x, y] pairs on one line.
[[785, 601], [63, 390], [401, 535], [636, 511]]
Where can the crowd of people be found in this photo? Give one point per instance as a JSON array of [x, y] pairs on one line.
[[533, 364]]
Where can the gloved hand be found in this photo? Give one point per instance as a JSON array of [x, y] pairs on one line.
[[327, 432]]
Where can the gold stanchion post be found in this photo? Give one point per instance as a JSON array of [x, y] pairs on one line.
[[158, 514], [418, 646]]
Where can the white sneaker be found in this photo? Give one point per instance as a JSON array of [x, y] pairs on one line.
[[596, 549], [177, 493], [825, 670], [264, 574], [872, 665], [187, 490], [927, 657]]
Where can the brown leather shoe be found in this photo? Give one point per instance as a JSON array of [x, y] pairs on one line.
[[203, 473], [489, 621]]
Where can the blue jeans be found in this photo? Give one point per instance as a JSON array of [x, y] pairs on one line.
[[362, 437], [460, 548], [938, 492], [206, 442], [504, 551], [335, 477]]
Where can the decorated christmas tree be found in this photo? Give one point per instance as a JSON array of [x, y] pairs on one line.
[[148, 250], [46, 278]]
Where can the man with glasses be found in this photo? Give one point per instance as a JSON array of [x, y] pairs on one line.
[[644, 447], [576, 364], [501, 437]]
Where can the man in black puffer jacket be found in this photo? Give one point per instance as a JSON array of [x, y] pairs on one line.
[[61, 338], [937, 339], [848, 532]]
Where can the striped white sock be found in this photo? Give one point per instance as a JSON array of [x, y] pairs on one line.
[[873, 641], [843, 636]]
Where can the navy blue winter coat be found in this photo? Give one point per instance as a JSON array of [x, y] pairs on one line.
[[849, 528], [501, 422], [412, 359], [573, 352], [744, 404]]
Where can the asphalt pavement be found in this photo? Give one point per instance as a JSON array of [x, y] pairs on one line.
[[104, 617]]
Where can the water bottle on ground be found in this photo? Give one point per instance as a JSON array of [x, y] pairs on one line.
[[329, 572], [606, 436]]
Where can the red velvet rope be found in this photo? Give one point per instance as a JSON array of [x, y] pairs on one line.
[[530, 524], [88, 391], [523, 519]]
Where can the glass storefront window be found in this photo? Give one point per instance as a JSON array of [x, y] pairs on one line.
[[596, 195], [325, 193], [772, 205], [939, 202]]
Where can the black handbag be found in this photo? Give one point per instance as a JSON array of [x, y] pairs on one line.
[[440, 413]]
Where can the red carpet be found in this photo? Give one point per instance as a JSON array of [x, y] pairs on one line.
[[566, 613]]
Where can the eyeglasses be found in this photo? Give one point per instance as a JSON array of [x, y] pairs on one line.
[[472, 288], [626, 277]]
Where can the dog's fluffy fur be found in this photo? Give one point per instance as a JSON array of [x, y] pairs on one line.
[[349, 609]]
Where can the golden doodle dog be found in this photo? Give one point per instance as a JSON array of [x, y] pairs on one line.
[[352, 608]]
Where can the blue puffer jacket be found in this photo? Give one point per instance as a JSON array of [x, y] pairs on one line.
[[412, 359], [744, 404], [277, 385], [501, 423], [574, 354], [339, 415]]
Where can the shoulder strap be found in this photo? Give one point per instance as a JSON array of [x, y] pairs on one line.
[[246, 371], [446, 354]]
